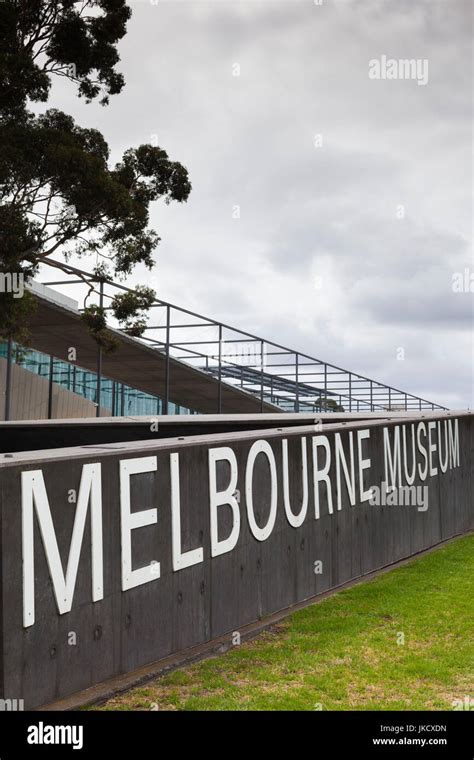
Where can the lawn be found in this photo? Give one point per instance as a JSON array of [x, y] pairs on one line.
[[403, 641]]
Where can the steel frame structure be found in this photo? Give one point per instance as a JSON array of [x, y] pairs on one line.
[[291, 380]]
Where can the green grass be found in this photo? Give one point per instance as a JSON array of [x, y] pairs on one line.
[[342, 654]]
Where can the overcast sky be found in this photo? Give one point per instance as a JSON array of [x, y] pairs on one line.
[[355, 194]]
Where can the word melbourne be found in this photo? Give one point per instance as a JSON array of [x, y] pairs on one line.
[[340, 467]]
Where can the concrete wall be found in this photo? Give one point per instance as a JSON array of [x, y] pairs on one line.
[[29, 400], [177, 608]]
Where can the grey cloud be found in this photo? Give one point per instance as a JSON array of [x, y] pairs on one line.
[[309, 211]]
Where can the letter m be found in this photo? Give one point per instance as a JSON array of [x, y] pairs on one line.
[[33, 494], [453, 444], [393, 462]]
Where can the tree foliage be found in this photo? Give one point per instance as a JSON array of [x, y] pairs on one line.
[[59, 195], [69, 38]]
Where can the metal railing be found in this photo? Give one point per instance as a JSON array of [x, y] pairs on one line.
[[277, 375]]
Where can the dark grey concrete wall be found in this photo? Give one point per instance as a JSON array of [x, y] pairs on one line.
[[190, 606]]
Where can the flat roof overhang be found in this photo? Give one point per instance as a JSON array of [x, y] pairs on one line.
[[55, 329]]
